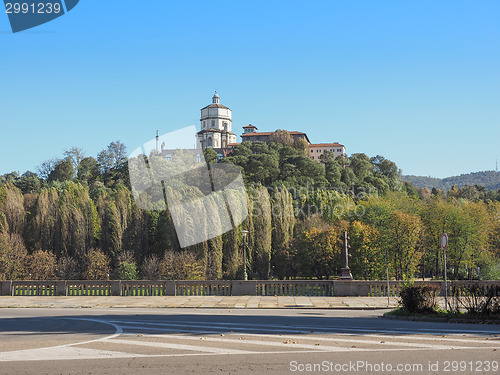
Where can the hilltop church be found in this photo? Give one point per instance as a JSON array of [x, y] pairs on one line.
[[216, 132]]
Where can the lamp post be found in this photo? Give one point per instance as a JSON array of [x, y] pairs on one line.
[[245, 275], [444, 245], [387, 276]]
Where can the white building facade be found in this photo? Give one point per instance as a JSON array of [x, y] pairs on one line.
[[316, 151], [216, 126]]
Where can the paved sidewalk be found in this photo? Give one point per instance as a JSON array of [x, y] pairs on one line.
[[233, 302]]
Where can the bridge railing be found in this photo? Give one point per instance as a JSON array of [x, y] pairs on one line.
[[325, 288], [295, 288]]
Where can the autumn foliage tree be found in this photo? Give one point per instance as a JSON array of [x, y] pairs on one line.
[[367, 259], [406, 233], [41, 265], [96, 265]]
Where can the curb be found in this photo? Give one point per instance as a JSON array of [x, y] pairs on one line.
[[439, 320], [369, 308]]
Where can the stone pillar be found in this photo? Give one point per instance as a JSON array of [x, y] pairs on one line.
[[5, 288], [61, 288], [170, 288], [116, 288]]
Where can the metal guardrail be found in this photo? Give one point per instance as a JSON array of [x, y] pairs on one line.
[[326, 288]]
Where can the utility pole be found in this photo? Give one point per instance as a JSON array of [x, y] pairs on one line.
[[444, 245], [245, 275], [387, 275]]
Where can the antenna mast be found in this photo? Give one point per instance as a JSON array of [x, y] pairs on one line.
[[157, 140]]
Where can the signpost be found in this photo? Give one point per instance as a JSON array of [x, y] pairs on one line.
[[444, 245]]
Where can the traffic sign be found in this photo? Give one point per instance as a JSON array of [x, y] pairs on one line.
[[444, 241]]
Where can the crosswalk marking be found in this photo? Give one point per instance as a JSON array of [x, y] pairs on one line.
[[62, 353], [259, 343], [313, 338], [179, 346], [170, 337]]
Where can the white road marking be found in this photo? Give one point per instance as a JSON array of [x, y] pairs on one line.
[[252, 342], [66, 351], [309, 337], [302, 328], [197, 348], [61, 353]]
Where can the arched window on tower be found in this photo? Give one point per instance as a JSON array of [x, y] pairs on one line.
[[209, 143]]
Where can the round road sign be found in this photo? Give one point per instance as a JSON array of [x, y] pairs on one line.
[[444, 241]]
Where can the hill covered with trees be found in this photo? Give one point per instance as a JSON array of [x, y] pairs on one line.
[[78, 217], [489, 179]]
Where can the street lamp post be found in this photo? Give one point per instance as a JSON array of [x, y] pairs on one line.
[[245, 275], [387, 275]]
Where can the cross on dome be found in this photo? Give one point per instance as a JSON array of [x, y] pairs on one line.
[[215, 98]]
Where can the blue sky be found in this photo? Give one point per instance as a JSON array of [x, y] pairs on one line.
[[417, 82]]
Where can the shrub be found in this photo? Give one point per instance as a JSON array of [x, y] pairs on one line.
[[419, 298], [12, 254], [126, 271], [127, 268], [150, 269], [96, 265], [41, 265], [182, 265], [476, 299], [67, 268]]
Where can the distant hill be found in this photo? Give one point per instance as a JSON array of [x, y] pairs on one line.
[[489, 179]]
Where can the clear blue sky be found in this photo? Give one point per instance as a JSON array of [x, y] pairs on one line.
[[417, 82]]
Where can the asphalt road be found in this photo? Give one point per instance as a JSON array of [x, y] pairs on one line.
[[243, 341]]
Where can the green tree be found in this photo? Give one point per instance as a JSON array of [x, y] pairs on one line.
[[319, 250], [210, 154], [282, 136], [406, 233], [127, 267], [367, 257], [75, 155], [262, 226], [88, 170], [63, 171], [301, 145]]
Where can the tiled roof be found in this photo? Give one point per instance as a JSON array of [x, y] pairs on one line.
[[326, 145], [215, 106], [250, 127], [269, 133]]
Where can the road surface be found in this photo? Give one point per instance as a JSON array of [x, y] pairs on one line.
[[241, 341]]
